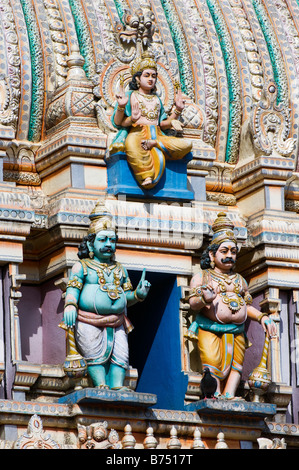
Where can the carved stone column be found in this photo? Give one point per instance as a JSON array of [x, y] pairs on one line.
[[259, 181], [265, 160], [74, 145], [259, 184]]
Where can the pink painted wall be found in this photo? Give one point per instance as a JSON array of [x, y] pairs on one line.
[[256, 336], [40, 312]]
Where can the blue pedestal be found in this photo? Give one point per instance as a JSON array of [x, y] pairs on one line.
[[224, 407], [172, 185], [94, 395]]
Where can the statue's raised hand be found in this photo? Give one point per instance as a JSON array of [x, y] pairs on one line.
[[143, 287], [70, 315], [179, 100], [208, 293], [122, 98], [135, 111]]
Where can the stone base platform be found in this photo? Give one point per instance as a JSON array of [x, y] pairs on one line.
[[173, 184], [94, 395], [234, 407]]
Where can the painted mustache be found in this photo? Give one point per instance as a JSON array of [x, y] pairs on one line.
[[106, 250], [227, 260]]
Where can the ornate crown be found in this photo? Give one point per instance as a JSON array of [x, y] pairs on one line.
[[223, 229], [101, 219], [146, 61]]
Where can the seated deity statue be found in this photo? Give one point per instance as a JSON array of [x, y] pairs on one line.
[[140, 117], [223, 302], [98, 293]]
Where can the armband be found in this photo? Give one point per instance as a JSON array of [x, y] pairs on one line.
[[127, 285], [196, 292], [75, 283], [248, 299]]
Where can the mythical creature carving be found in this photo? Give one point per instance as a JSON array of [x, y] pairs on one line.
[[267, 131], [276, 443], [270, 124], [97, 436], [139, 25], [138, 34]]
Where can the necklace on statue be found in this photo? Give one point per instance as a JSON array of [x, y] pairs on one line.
[[228, 278], [113, 289], [152, 114], [149, 97], [234, 301]]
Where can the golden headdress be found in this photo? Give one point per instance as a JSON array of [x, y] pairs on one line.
[[223, 229], [146, 61], [101, 219]]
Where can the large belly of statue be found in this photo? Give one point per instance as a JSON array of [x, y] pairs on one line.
[[92, 299], [230, 308]]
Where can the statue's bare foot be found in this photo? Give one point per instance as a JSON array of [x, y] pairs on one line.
[[122, 389], [147, 182], [102, 387], [148, 144]]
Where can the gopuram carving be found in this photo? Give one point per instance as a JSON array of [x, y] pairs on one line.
[[222, 300], [138, 34], [268, 129], [141, 118], [224, 75], [97, 296], [97, 436]]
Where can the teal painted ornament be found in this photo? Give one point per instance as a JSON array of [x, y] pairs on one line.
[[75, 367], [234, 87]]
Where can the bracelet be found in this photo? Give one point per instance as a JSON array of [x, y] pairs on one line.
[[74, 304], [136, 296], [259, 318], [177, 112], [248, 299], [127, 286], [120, 108]]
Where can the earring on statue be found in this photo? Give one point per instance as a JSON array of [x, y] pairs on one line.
[[212, 264], [91, 254]]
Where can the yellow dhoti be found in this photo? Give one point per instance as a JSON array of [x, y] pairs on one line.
[[221, 352], [151, 163]]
